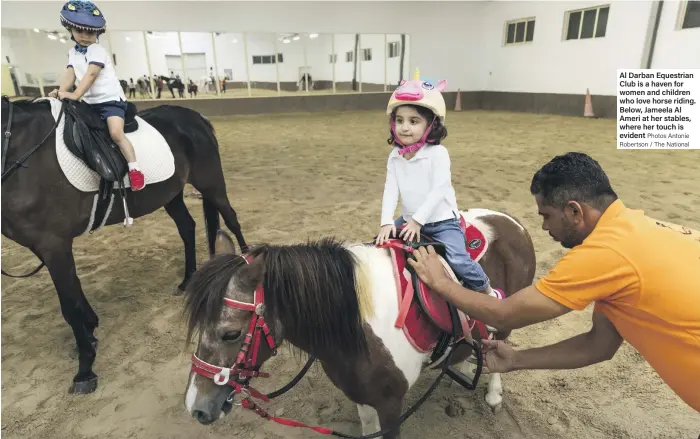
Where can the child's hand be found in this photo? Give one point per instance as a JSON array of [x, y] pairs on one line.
[[67, 95], [385, 232], [411, 231], [54, 93]]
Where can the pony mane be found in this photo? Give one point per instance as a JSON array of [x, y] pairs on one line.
[[314, 292], [204, 295]]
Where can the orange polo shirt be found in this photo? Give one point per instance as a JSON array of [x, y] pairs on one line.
[[646, 280]]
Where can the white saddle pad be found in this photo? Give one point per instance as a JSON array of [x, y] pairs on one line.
[[152, 153]]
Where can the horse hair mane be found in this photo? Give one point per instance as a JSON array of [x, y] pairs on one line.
[[204, 295], [311, 295]]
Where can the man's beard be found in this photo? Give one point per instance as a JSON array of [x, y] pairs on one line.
[[571, 238]]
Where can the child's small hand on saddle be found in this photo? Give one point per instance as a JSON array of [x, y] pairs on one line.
[[411, 231], [53, 93], [66, 95], [385, 232]]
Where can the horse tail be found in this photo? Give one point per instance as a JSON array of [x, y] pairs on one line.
[[212, 224]]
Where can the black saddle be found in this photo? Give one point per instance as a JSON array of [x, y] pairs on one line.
[[87, 136]]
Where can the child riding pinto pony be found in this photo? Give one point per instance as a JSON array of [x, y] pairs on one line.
[[418, 171]]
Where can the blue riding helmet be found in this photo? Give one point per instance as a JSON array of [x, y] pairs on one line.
[[83, 14]]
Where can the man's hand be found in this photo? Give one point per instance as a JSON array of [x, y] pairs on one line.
[[67, 95], [598, 344], [498, 356], [429, 268]]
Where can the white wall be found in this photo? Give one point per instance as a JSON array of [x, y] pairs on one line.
[[551, 64], [461, 42], [441, 22], [675, 48]]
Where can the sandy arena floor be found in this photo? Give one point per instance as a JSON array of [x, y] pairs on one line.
[[291, 177]]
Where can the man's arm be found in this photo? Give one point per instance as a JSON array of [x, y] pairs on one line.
[[525, 307], [599, 344]]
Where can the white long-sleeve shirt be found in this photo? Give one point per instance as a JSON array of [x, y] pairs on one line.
[[424, 184]]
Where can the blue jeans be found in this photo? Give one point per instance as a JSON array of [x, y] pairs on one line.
[[449, 234]]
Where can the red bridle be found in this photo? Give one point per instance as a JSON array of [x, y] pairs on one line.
[[245, 367]]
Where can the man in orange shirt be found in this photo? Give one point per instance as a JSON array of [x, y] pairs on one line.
[[643, 278]]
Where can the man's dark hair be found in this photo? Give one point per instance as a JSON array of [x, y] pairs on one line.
[[573, 176]]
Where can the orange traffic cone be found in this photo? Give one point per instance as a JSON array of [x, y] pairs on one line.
[[588, 107], [458, 103]]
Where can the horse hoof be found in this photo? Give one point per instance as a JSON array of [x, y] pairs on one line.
[[84, 387], [179, 291]]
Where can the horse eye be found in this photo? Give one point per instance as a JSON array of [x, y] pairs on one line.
[[232, 336]]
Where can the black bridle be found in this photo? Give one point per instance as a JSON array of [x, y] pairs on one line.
[[20, 162]]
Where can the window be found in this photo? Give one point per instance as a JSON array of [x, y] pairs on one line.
[[333, 58], [394, 49], [691, 14], [587, 23], [520, 31], [367, 54], [267, 59], [349, 56]]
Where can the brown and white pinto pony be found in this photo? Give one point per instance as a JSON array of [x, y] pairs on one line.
[[338, 303]]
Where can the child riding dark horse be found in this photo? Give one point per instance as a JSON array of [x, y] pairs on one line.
[[98, 85]]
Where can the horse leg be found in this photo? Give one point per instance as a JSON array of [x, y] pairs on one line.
[[186, 227], [389, 411], [58, 257], [369, 419], [494, 394]]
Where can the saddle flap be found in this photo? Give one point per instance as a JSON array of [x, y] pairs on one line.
[[91, 142], [435, 306]]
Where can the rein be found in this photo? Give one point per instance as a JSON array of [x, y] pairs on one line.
[[20, 164], [245, 368]]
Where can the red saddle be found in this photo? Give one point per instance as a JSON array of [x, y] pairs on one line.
[[424, 315]]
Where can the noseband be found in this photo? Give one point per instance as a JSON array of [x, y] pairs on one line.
[[246, 366]]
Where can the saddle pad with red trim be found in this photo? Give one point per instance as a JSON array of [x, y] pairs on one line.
[[423, 315], [476, 240]]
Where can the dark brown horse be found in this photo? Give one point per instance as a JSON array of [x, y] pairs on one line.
[[336, 302], [42, 211]]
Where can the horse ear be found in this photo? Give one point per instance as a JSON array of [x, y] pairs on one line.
[[223, 244], [441, 85]]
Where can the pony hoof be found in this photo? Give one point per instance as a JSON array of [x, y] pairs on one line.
[[179, 290], [84, 387], [495, 401]]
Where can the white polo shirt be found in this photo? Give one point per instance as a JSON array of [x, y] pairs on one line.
[[106, 87], [424, 184]]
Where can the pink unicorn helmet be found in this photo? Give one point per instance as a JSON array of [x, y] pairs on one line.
[[419, 93]]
